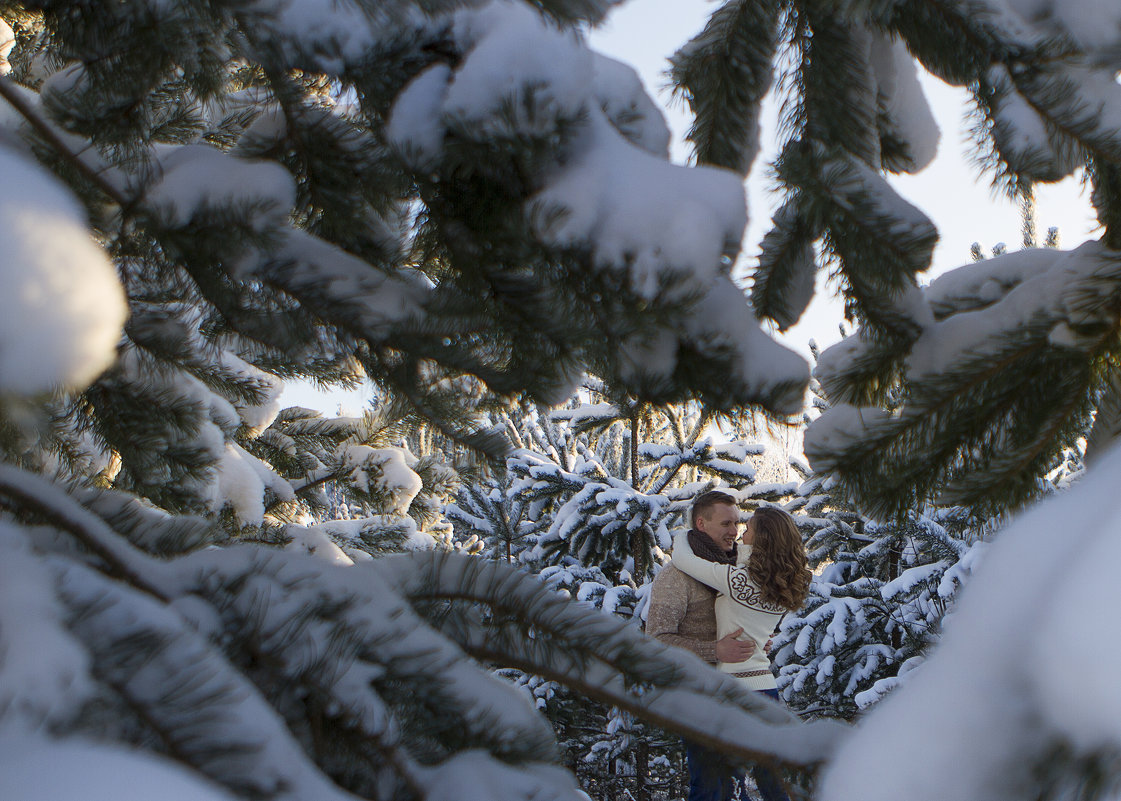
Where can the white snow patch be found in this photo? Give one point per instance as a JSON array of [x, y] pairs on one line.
[[44, 671], [241, 483], [1094, 24], [902, 98], [315, 540], [477, 776], [1056, 294], [61, 305], [63, 771], [512, 49], [639, 213], [373, 298], [722, 321], [388, 468], [625, 102], [416, 127], [331, 32], [195, 178], [986, 281], [256, 417], [837, 430]]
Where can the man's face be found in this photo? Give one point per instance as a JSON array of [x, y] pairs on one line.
[[721, 524]]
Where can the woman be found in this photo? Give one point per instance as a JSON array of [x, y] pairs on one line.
[[770, 578]]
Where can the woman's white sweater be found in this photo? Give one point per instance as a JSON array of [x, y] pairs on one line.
[[739, 604]]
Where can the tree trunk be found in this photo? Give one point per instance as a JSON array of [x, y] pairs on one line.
[[641, 769], [634, 450], [638, 541], [893, 557]]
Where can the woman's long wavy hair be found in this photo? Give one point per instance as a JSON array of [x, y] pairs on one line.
[[778, 562]]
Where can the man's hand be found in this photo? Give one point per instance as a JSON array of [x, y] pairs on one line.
[[729, 649]]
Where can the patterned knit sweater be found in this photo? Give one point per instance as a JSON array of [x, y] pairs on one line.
[[739, 604]]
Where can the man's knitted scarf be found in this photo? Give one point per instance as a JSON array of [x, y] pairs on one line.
[[704, 547]]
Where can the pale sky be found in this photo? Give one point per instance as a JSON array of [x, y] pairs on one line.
[[951, 191]]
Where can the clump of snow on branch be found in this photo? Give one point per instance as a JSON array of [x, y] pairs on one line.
[[257, 415], [44, 672], [903, 103], [62, 771], [1066, 294], [1022, 134], [388, 469], [415, 127], [195, 178], [626, 104], [1093, 24], [320, 540], [637, 209], [61, 305], [978, 306], [510, 47], [374, 299], [477, 776], [241, 481], [327, 33], [666, 229], [724, 322]]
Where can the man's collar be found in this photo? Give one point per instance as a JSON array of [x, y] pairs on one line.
[[704, 547]]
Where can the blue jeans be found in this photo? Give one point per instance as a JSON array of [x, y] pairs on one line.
[[770, 787], [711, 778]]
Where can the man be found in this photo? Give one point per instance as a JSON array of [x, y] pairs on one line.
[[682, 613]]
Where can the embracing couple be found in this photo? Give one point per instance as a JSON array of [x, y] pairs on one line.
[[721, 597]]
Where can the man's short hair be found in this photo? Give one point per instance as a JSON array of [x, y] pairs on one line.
[[706, 500]]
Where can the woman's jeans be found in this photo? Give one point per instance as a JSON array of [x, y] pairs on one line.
[[710, 776], [712, 779], [770, 786]]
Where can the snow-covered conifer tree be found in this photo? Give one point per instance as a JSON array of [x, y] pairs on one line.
[[623, 478], [875, 607], [878, 597]]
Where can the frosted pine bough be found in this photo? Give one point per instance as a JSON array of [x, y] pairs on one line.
[[1001, 364], [995, 387], [258, 649], [242, 234]]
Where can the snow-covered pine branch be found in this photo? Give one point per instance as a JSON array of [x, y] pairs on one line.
[[1005, 378], [991, 384], [279, 675], [255, 193]]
